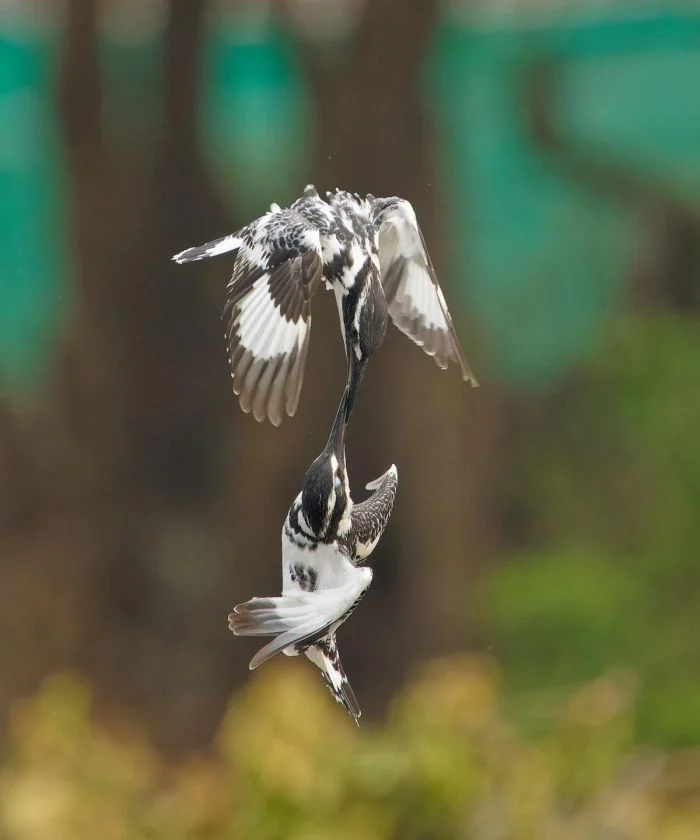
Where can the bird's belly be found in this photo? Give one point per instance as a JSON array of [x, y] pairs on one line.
[[328, 566], [325, 567]]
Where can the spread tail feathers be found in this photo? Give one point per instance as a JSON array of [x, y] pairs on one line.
[[295, 617], [324, 654], [209, 249]]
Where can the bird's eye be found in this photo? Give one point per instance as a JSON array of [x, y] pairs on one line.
[[337, 483]]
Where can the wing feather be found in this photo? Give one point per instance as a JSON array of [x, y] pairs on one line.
[[370, 518], [267, 312], [414, 297]]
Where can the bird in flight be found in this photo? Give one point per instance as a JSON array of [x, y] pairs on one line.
[[325, 540], [369, 251]]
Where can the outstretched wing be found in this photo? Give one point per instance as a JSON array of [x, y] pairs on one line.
[[267, 314], [416, 303], [370, 518]]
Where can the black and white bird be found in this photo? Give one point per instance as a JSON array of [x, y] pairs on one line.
[[325, 540], [369, 251]]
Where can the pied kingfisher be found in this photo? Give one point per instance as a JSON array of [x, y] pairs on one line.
[[325, 539], [369, 251]]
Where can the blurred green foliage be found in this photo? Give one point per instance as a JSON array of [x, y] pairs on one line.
[[613, 492], [289, 764]]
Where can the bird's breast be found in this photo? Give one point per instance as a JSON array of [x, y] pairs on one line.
[[327, 567]]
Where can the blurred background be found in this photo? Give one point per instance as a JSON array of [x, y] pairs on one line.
[[528, 658]]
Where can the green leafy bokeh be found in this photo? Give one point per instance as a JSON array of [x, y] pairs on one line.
[[614, 581], [288, 764]]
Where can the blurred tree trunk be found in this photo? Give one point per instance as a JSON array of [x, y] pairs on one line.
[[144, 391]]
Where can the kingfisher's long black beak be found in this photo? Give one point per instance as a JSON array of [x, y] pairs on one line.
[[357, 371], [336, 438]]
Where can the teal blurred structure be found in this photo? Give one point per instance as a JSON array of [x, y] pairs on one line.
[[541, 257], [34, 281], [257, 132]]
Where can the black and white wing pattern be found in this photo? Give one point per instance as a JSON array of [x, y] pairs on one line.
[[268, 322], [277, 270], [416, 303], [369, 518]]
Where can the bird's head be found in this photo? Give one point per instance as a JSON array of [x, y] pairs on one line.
[[325, 497]]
